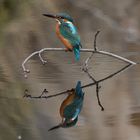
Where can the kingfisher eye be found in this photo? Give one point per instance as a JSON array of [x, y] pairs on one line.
[[64, 20]]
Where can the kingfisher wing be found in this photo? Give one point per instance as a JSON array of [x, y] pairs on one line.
[[69, 31], [66, 102], [72, 111]]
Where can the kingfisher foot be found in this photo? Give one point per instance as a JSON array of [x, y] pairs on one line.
[[68, 49]]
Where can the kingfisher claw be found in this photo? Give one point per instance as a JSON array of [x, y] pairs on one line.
[[68, 50]]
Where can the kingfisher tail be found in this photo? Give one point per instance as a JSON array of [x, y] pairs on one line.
[[77, 52]]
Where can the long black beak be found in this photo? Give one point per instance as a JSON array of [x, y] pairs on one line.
[[55, 127], [49, 15]]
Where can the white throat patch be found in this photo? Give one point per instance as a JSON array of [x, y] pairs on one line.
[[58, 21]]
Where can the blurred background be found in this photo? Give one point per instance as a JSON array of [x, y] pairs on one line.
[[24, 30]]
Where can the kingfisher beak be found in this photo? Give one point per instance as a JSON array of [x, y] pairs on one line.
[[55, 127], [50, 15]]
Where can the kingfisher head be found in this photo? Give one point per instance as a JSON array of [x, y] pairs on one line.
[[60, 17]]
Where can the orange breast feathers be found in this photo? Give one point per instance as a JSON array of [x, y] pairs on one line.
[[66, 102], [64, 41]]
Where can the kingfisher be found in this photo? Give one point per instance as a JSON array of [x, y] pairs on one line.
[[67, 32], [71, 108]]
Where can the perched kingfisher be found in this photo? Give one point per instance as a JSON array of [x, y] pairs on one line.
[[67, 33], [71, 108]]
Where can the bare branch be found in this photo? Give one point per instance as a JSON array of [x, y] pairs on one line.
[[109, 76], [95, 47], [41, 58], [91, 84], [85, 69], [98, 98], [27, 95], [89, 75], [63, 49], [85, 66], [97, 88]]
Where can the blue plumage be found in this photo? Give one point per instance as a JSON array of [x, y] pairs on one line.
[[77, 52], [69, 32], [72, 110]]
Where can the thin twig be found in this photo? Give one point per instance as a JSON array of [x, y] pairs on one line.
[[85, 69], [97, 88], [89, 75], [95, 47], [41, 58], [98, 98], [109, 76], [27, 95], [85, 66]]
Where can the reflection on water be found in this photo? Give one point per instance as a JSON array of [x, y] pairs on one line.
[[30, 119]]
